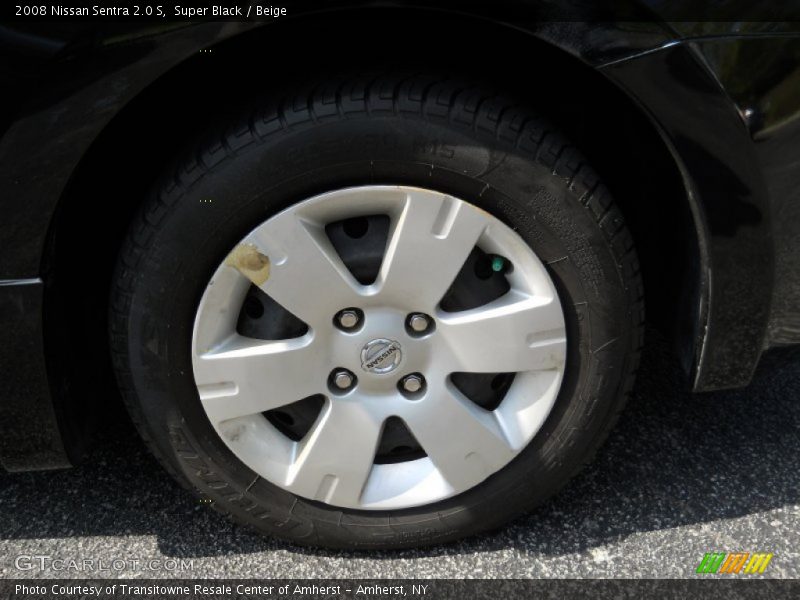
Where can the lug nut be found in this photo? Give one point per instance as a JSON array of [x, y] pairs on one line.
[[348, 318], [412, 383], [419, 322], [343, 379]]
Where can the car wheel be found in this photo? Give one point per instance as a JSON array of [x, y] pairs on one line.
[[380, 314]]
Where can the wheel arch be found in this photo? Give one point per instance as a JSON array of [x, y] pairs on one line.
[[155, 125]]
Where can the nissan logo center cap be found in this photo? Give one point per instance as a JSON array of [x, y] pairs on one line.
[[381, 356]]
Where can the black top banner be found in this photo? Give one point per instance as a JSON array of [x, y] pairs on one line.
[[508, 10]]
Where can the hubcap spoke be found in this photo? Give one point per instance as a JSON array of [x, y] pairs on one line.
[[246, 377], [430, 242], [303, 264], [463, 440], [512, 334], [335, 458]]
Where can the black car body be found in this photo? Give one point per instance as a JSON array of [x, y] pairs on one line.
[[709, 110]]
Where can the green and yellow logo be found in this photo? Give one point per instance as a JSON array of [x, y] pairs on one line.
[[734, 562]]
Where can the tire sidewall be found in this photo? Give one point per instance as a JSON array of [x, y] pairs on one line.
[[198, 222]]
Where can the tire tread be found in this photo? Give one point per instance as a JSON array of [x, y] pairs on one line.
[[462, 105]]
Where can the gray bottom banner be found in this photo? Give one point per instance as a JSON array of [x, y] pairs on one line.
[[379, 589]]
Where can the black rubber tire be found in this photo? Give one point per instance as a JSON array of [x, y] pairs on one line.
[[418, 130]]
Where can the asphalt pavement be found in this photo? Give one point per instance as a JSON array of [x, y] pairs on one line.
[[680, 475]]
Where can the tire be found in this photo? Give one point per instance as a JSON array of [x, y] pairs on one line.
[[420, 131]]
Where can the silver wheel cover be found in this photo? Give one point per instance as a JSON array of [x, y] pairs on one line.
[[430, 237]]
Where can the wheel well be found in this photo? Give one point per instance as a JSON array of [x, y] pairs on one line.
[[107, 187]]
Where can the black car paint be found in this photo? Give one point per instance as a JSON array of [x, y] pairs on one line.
[[737, 159], [729, 203], [762, 77]]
